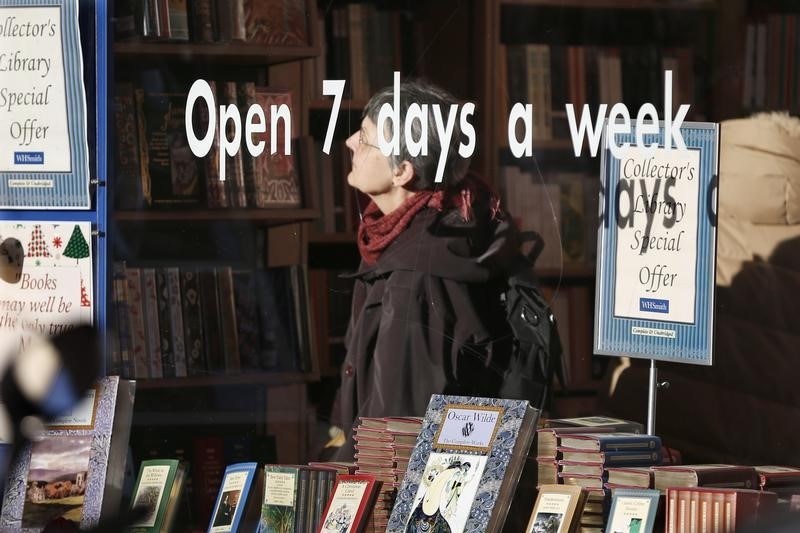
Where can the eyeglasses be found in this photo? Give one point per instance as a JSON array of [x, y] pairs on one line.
[[362, 140]]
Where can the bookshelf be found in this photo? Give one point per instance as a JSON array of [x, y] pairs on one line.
[[240, 349]]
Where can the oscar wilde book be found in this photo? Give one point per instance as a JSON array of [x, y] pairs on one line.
[[76, 470], [158, 489], [237, 508], [466, 464], [350, 504], [557, 508]]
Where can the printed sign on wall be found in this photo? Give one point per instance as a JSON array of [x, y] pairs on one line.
[[54, 289], [657, 246], [44, 156]]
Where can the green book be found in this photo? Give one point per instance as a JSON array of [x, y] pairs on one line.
[[158, 488], [280, 499]]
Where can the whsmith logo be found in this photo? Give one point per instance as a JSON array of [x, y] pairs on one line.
[[653, 305], [29, 158]]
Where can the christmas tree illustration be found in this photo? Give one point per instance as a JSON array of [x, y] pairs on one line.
[[37, 247], [84, 296], [77, 248]]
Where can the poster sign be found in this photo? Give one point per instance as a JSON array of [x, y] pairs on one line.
[[54, 289], [44, 156], [657, 246]]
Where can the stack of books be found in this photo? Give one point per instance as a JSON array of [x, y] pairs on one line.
[[548, 440], [383, 448]]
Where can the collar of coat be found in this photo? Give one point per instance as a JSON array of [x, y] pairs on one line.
[[442, 244]]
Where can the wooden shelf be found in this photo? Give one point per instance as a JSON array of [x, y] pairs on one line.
[[262, 378], [263, 216], [665, 5], [229, 53]]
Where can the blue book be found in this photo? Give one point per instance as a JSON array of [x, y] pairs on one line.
[[614, 458], [237, 508], [610, 442]]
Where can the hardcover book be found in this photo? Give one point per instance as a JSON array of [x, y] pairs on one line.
[[716, 475], [350, 504], [158, 489], [238, 500], [276, 22], [610, 442], [557, 508], [76, 470], [465, 465]]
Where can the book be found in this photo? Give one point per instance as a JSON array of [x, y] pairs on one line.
[[715, 509], [557, 508], [348, 508], [705, 475], [75, 470], [466, 464], [622, 458], [633, 510], [278, 509], [276, 22], [547, 439], [238, 504], [610, 442], [159, 487], [634, 476], [777, 476], [593, 422]]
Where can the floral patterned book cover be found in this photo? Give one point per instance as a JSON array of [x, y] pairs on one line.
[[465, 465]]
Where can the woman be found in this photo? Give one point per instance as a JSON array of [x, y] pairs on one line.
[[426, 314]]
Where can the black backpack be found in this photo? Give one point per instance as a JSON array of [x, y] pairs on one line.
[[536, 355]]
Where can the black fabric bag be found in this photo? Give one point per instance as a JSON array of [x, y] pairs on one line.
[[537, 353]]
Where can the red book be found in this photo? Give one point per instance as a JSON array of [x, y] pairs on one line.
[[350, 504]]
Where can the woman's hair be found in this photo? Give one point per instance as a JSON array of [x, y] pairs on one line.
[[422, 92]]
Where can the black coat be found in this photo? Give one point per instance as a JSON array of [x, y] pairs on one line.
[[427, 318]]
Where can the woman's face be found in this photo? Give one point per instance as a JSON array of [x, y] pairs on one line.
[[372, 172]]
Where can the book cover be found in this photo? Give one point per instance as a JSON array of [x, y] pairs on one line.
[[633, 510], [75, 471], [276, 22], [233, 510], [158, 488], [350, 504], [557, 508], [280, 499], [194, 339], [276, 179], [466, 464]]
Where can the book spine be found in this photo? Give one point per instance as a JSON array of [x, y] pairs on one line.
[[194, 340], [176, 320], [211, 325], [227, 308], [164, 324], [137, 329], [150, 300]]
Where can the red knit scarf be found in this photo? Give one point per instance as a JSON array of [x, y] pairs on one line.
[[377, 231]]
